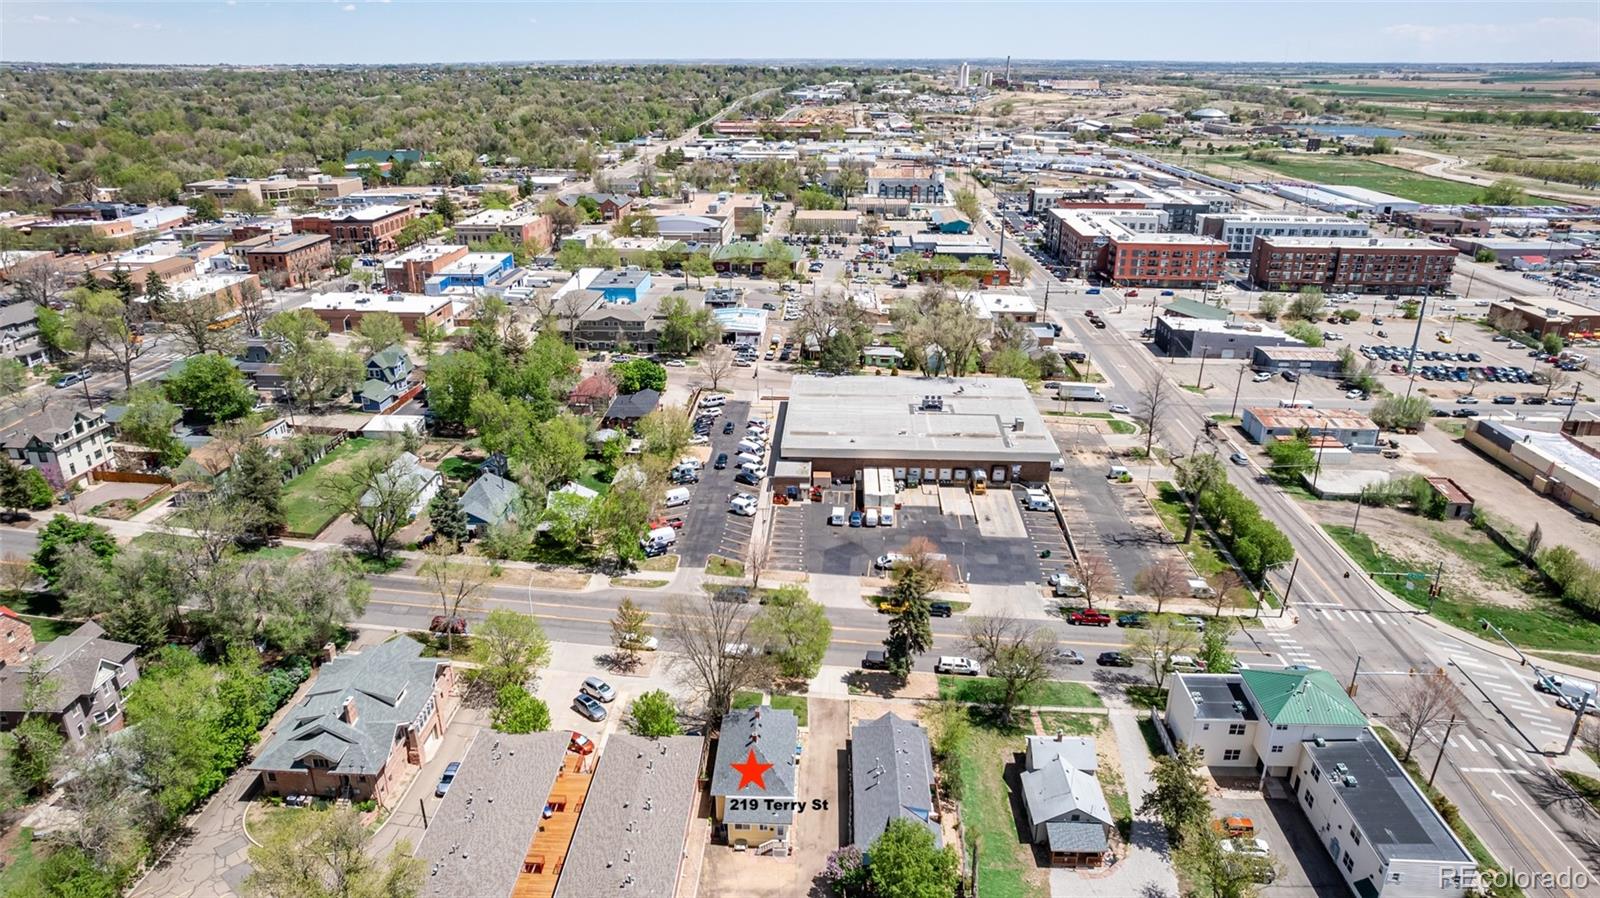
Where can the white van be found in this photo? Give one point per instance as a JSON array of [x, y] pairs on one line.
[[748, 445], [886, 517], [1039, 500], [1297, 403], [715, 400], [1200, 589], [870, 519], [751, 458], [663, 536], [837, 516], [1117, 472], [677, 496]]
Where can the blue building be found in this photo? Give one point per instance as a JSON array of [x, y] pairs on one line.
[[627, 285], [948, 222], [474, 271]]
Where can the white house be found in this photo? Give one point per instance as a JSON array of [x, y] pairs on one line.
[[1258, 718], [1383, 835], [408, 473]]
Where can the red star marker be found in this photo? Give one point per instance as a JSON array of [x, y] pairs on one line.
[[752, 771]]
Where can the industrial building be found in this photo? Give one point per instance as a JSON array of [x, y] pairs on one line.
[[939, 429], [1544, 315], [1240, 229], [1317, 360], [1506, 250], [1441, 223], [1192, 338], [1354, 264], [1349, 426], [1565, 468]]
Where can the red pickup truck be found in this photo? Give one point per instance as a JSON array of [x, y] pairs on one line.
[[1089, 617]]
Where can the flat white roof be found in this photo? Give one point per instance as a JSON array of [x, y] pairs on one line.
[[496, 218], [883, 418], [426, 253], [398, 303], [1357, 243]]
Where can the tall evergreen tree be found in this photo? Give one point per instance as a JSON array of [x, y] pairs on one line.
[[445, 516], [256, 484]]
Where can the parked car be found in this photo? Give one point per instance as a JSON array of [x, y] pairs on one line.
[[940, 609], [856, 519], [589, 708], [875, 659], [1239, 458], [441, 624], [594, 687], [1089, 617], [72, 379], [1113, 659], [955, 664], [1068, 656], [450, 771], [1134, 619], [1121, 409]]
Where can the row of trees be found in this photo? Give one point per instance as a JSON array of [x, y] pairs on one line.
[[1255, 543]]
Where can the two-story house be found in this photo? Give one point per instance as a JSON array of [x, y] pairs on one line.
[[90, 676], [19, 333], [388, 378], [754, 782], [66, 444]]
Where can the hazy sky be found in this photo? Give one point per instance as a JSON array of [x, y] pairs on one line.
[[379, 31]]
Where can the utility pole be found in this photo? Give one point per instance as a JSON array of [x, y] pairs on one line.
[[1433, 591], [1352, 687], [1360, 498], [1290, 588], [1443, 744], [1416, 337], [1203, 353], [1236, 388], [1577, 721], [1573, 407]]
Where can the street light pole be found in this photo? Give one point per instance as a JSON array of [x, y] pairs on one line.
[[1201, 377], [1289, 588], [1236, 388], [1360, 498], [1443, 744]]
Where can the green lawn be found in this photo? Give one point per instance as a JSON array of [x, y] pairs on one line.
[[1544, 623], [596, 475], [18, 868], [1353, 172], [1202, 549], [987, 691], [1004, 863], [457, 468], [46, 629], [1143, 696], [1423, 93], [307, 511], [794, 703], [717, 566], [1070, 723], [1587, 787]]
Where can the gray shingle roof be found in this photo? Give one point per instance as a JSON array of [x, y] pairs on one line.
[[1077, 751], [389, 686], [631, 406], [482, 830], [772, 734], [1054, 792], [1090, 837], [72, 662], [629, 839], [490, 499], [891, 776]]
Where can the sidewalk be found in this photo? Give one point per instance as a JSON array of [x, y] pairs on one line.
[[1146, 869]]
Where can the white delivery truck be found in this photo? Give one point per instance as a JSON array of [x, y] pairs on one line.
[[1039, 500], [1080, 393], [837, 516], [677, 496]]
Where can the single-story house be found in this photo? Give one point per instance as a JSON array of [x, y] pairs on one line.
[[593, 393], [407, 473], [630, 407], [1067, 810], [489, 502]]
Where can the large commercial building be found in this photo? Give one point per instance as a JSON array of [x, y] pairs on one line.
[[915, 182], [518, 227], [1441, 223], [371, 228], [1358, 265], [936, 429], [1240, 229], [297, 257], [1544, 315], [1125, 247], [409, 272], [1565, 468], [343, 311], [1506, 250], [1347, 425], [1193, 338], [276, 189]]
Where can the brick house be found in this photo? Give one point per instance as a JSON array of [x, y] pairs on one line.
[[367, 722], [294, 257], [16, 639]]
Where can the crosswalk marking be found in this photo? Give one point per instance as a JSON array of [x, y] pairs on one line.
[[1514, 757]]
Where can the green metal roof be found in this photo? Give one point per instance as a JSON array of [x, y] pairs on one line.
[[1304, 697], [1190, 308]]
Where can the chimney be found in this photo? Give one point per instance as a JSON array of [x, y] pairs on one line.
[[1058, 735], [348, 712]]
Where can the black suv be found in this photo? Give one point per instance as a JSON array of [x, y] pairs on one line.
[[940, 609], [1113, 659], [875, 660]]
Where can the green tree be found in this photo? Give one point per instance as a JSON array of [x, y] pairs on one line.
[[906, 863], [1485, 255], [453, 380], [1401, 412], [16, 489], [666, 432], [32, 750], [446, 208], [148, 422], [516, 711], [255, 488], [630, 629], [1198, 476], [378, 331], [1215, 656], [653, 714], [1308, 304], [966, 202], [778, 270], [377, 501], [685, 330], [1178, 793], [639, 374], [328, 855], [63, 532], [210, 386], [915, 578], [1148, 121], [1503, 193], [1271, 306], [204, 208], [1552, 343], [445, 518], [1291, 459], [509, 648], [1219, 873], [698, 266], [1016, 363], [798, 630], [1305, 332]]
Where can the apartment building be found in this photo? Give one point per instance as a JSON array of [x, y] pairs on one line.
[[915, 182], [64, 443], [343, 311], [1240, 229], [276, 189], [371, 228], [1349, 264], [1166, 260], [518, 227], [1081, 237], [296, 258], [409, 272]]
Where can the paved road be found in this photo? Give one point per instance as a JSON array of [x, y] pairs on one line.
[[1345, 621]]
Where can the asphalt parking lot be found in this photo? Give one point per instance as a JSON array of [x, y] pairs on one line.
[[1044, 535], [708, 528], [1093, 509], [1304, 868], [787, 539], [850, 551]]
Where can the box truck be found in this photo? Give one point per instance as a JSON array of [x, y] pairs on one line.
[[1080, 393]]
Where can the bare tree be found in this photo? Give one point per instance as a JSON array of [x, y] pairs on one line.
[[39, 280], [252, 307], [1424, 701], [1094, 574], [1155, 644], [713, 637], [1163, 580], [1589, 737], [459, 586], [716, 363], [304, 270], [194, 322], [1014, 652], [377, 495], [1152, 402], [1227, 580]]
